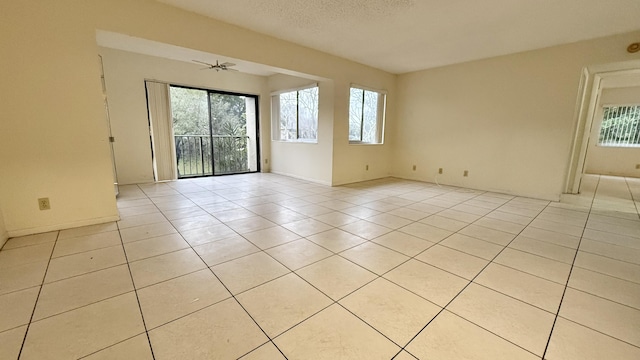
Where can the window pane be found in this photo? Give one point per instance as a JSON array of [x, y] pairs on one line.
[[370, 117], [288, 110], [189, 108], [620, 126], [228, 114], [355, 114], [308, 114]]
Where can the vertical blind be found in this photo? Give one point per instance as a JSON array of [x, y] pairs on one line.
[[164, 162]]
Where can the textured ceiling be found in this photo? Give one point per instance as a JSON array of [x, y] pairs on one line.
[[407, 35]]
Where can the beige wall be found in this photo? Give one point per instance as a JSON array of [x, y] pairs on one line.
[[125, 73], [350, 160], [508, 120], [54, 134], [612, 160]]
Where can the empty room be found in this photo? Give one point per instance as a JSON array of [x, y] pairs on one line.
[[380, 179]]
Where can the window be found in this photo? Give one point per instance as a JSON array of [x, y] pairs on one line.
[[295, 115], [366, 116], [620, 126]]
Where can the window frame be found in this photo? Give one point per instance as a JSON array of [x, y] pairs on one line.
[[602, 120], [381, 115], [276, 134]]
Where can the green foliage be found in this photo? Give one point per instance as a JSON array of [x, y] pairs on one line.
[[620, 126], [228, 114], [224, 124], [189, 108]]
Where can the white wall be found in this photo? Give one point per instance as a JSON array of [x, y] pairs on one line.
[[125, 73], [306, 160], [54, 134], [334, 160], [350, 160], [508, 120], [612, 160]]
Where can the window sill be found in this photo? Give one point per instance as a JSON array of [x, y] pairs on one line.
[[296, 141], [364, 143], [630, 146]]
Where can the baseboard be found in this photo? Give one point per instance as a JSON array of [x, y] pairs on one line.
[[355, 181], [327, 183], [74, 224], [531, 195]]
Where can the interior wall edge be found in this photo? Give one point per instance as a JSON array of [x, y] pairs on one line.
[[63, 226], [3, 239]]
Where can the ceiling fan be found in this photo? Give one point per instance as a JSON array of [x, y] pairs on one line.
[[225, 66]]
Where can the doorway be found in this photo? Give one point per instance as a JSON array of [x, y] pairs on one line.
[[593, 97], [215, 132]]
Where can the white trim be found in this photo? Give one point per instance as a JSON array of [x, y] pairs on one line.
[[327, 183], [531, 195], [347, 182], [356, 142], [304, 87], [381, 117], [74, 224], [603, 105], [275, 116], [590, 82], [362, 87]]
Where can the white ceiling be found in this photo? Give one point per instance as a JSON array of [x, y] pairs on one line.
[[407, 35]]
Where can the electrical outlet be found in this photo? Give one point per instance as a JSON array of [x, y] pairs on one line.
[[366, 167], [414, 168], [43, 204], [466, 173], [440, 171], [266, 161]]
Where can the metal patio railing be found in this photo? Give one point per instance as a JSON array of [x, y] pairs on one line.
[[194, 155]]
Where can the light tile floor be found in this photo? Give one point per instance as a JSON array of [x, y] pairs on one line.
[[267, 267]]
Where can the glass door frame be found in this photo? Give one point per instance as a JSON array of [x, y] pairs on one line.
[[256, 99]]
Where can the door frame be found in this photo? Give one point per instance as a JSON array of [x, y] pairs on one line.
[[589, 91], [256, 98]]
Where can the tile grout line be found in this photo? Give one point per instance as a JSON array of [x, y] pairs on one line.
[[369, 240], [601, 333], [230, 293], [467, 285], [332, 301], [411, 257], [566, 286], [144, 324], [635, 202], [402, 348], [35, 305]]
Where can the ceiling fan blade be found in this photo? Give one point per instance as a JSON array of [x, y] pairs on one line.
[[227, 64], [203, 63], [230, 69]]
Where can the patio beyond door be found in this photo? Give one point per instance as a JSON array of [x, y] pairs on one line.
[[215, 133]]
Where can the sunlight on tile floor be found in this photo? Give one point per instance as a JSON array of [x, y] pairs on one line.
[[263, 266]]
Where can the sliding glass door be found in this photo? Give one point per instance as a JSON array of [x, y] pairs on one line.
[[215, 133]]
